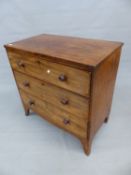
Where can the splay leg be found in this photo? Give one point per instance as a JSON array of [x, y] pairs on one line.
[[27, 112], [86, 146], [26, 109], [106, 119]]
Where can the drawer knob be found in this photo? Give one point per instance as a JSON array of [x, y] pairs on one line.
[[66, 121], [64, 101], [62, 77], [26, 83], [31, 102], [20, 64]]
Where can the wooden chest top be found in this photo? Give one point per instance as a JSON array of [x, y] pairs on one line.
[[76, 51]]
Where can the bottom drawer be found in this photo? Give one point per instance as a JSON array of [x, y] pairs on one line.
[[61, 118]]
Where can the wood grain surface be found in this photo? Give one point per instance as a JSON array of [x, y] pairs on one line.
[[76, 126], [70, 49], [76, 80], [68, 81], [61, 98], [103, 81]]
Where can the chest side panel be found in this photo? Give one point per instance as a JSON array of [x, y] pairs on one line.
[[103, 81]]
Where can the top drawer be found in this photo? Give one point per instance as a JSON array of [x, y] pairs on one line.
[[63, 76]]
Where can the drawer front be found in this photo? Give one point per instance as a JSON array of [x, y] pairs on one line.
[[63, 76], [59, 117], [59, 97]]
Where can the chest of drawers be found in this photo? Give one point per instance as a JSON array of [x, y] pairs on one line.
[[67, 81]]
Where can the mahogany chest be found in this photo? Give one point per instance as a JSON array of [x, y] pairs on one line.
[[66, 80]]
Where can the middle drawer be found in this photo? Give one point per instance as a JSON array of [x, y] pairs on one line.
[[59, 97]]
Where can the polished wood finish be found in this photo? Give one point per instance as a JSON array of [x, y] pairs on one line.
[[88, 52], [55, 115], [67, 81], [66, 100], [66, 77], [103, 80]]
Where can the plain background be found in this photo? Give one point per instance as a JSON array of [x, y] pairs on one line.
[[31, 146]]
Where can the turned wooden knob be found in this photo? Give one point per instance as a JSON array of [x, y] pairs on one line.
[[64, 101], [31, 102], [20, 64], [26, 83], [66, 121], [62, 77]]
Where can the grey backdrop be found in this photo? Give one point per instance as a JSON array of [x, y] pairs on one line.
[[31, 146]]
